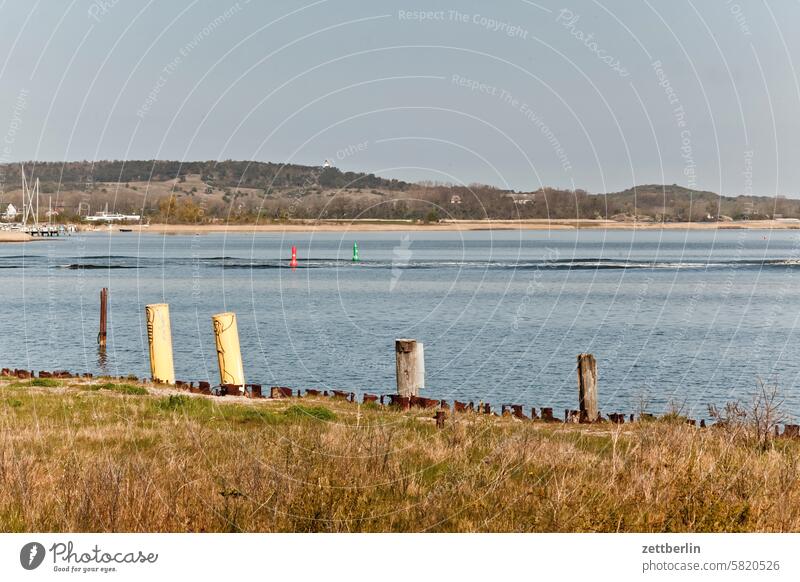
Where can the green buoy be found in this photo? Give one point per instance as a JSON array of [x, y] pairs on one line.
[[355, 252]]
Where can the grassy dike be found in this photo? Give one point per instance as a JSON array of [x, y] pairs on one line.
[[107, 456]]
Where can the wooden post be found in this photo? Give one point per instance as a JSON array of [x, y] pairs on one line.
[[159, 339], [587, 387], [229, 354], [101, 337], [410, 367]]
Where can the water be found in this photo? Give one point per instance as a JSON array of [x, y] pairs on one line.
[[683, 317]]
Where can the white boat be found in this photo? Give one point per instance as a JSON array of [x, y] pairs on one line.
[[106, 216]]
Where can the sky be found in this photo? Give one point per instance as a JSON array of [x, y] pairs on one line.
[[517, 94]]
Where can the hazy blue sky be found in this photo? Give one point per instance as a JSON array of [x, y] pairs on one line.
[[515, 93]]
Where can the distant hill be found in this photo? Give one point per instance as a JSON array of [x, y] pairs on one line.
[[230, 174], [675, 202], [239, 191]]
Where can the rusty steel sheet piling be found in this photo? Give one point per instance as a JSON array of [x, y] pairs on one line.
[[440, 417], [616, 418], [791, 430], [252, 391], [422, 402], [547, 415], [401, 402], [280, 392]]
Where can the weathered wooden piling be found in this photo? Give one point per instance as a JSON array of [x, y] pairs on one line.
[[101, 337], [410, 358], [587, 387], [229, 354], [159, 338]]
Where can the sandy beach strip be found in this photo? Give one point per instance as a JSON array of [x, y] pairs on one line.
[[461, 225], [7, 236], [301, 226]]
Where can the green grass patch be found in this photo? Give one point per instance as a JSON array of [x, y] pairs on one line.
[[250, 415], [130, 390], [37, 382], [45, 382], [186, 404], [432, 473], [173, 402], [310, 412], [127, 389]]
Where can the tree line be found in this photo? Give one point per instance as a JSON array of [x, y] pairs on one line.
[[240, 191]]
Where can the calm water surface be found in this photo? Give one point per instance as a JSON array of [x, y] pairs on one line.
[[672, 316]]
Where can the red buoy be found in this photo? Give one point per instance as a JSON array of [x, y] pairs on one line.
[[293, 262]]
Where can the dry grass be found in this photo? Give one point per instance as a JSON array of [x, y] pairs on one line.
[[112, 459]]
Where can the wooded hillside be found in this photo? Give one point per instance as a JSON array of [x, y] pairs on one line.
[[240, 191]]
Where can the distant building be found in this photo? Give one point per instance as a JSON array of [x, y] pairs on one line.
[[327, 164], [522, 198], [10, 213], [455, 199]]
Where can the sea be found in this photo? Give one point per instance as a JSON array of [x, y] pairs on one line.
[[677, 319]]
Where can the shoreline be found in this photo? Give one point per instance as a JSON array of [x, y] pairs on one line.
[[301, 226], [459, 226]]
